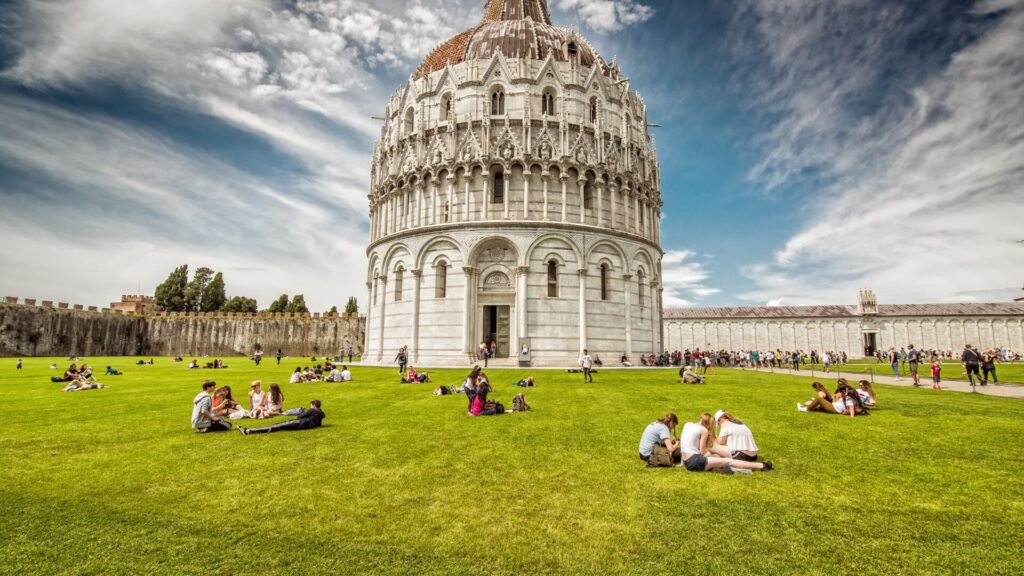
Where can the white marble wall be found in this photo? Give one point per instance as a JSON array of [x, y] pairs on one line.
[[845, 334]]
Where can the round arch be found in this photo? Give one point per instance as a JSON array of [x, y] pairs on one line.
[[553, 236]]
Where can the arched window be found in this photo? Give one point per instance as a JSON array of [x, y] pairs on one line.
[[573, 50], [640, 287], [498, 194], [604, 281], [410, 121], [446, 107], [552, 279], [441, 280], [548, 102], [588, 195], [498, 102], [447, 212], [398, 284], [593, 109]]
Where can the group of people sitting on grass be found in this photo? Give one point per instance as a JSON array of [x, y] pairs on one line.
[[720, 443], [80, 378], [306, 374], [213, 407], [847, 400], [477, 387], [413, 377]]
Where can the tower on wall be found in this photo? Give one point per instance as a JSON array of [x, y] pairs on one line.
[[515, 198]]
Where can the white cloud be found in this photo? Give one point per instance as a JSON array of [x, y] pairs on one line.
[[923, 200], [684, 279], [608, 15]]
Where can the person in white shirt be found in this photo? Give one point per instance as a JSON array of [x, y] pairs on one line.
[[586, 363], [696, 440], [735, 440], [346, 376], [296, 376], [334, 375], [827, 361]]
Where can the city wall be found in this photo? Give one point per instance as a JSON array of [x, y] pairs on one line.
[[48, 329]]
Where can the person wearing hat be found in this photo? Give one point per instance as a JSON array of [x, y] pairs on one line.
[[735, 440], [688, 376]]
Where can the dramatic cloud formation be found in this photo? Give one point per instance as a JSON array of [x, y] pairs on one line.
[[922, 180], [608, 15], [684, 279]]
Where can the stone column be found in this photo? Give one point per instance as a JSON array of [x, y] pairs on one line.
[[468, 318], [613, 190], [583, 308], [451, 198], [656, 317], [383, 280], [465, 215], [526, 194], [521, 300], [626, 280], [506, 196], [483, 199], [563, 178], [600, 203], [546, 177], [417, 212], [435, 202], [636, 214], [581, 186], [369, 314], [417, 277], [626, 200]]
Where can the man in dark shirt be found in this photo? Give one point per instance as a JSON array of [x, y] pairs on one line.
[[913, 359], [307, 420], [970, 359]]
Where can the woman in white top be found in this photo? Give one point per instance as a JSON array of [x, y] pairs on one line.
[[696, 440], [257, 399], [735, 440], [296, 376]]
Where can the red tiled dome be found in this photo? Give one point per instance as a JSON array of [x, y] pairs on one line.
[[519, 29]]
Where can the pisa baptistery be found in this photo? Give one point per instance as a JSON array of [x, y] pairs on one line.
[[514, 198]]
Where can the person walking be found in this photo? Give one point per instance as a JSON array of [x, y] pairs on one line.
[[894, 362], [349, 354], [278, 356], [403, 359], [970, 361], [988, 367], [19, 363], [586, 363], [483, 353], [913, 360]]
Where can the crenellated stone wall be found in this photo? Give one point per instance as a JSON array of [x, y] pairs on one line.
[[30, 330]]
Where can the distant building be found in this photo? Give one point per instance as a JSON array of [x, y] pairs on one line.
[[857, 330], [135, 304]]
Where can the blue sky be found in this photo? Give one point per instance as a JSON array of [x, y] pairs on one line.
[[808, 148]]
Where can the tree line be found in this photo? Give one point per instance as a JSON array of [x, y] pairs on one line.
[[207, 292]]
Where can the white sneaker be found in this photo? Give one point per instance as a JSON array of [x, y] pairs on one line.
[[801, 407]]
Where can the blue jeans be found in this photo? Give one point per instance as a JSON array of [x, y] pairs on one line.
[[896, 369]]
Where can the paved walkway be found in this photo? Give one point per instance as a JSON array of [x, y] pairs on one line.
[[1003, 390]]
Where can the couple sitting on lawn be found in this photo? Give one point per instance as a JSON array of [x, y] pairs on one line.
[[336, 375], [80, 379], [414, 377], [702, 445], [688, 376], [847, 400], [210, 408]]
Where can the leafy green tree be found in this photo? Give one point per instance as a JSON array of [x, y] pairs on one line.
[[194, 290], [351, 307], [170, 295], [240, 304], [298, 304], [279, 305], [214, 296], [334, 310]]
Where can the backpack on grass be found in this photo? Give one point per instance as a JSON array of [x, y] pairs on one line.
[[660, 457], [519, 403]]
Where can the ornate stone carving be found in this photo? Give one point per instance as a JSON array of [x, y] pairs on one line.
[[497, 280]]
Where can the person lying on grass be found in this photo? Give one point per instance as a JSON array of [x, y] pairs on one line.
[[308, 419], [660, 432], [112, 372], [529, 382], [735, 440], [846, 401], [203, 418], [77, 385], [697, 439], [414, 377]]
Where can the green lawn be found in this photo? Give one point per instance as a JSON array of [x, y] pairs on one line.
[[951, 370], [402, 482]]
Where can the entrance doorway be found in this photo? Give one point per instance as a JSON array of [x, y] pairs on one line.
[[870, 343], [496, 328]]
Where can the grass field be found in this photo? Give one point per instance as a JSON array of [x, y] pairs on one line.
[[402, 482], [1012, 372]]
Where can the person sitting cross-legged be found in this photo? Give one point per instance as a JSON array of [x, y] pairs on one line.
[[310, 418], [697, 440]]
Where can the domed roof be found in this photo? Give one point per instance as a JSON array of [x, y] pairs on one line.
[[517, 28]]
